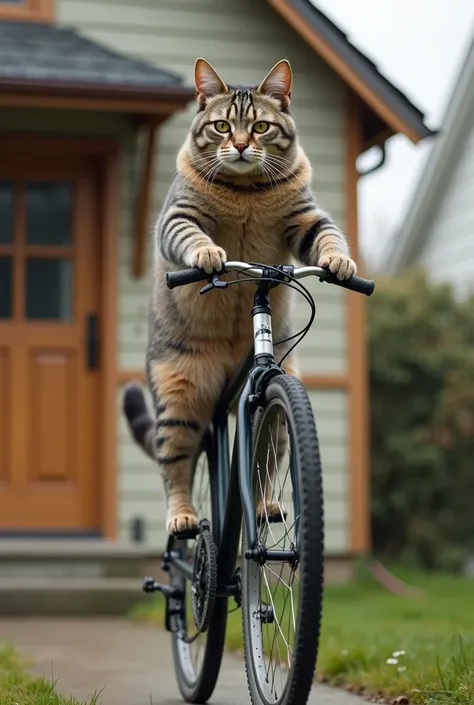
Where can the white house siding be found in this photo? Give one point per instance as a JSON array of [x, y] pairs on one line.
[[243, 40], [448, 251]]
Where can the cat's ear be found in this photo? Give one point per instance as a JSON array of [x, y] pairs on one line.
[[207, 80], [277, 83]]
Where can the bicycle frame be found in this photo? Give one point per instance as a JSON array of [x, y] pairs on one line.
[[234, 481], [234, 477]]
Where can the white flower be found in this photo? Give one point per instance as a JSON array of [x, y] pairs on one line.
[[398, 653], [344, 652], [400, 669], [392, 661]]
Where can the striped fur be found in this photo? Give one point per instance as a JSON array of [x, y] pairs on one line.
[[242, 192]]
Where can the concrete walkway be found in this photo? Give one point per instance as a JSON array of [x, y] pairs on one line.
[[130, 663]]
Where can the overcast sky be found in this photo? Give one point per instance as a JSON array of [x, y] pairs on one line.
[[419, 45]]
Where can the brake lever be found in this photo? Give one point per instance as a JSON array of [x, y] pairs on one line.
[[214, 283]]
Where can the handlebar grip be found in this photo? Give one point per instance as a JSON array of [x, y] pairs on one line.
[[362, 286], [185, 276]]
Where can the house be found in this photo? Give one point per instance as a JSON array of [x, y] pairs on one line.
[[438, 231], [95, 99]]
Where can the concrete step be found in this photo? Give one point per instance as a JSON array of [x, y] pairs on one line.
[[70, 558], [69, 596]]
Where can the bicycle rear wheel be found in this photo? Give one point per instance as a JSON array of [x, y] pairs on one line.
[[282, 601], [197, 664]]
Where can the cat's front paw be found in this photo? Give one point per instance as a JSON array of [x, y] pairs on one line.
[[339, 264], [181, 521], [210, 258]]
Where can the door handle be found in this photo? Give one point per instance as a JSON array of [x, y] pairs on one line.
[[92, 341]]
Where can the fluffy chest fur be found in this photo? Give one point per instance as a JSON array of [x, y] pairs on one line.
[[225, 315], [248, 223]]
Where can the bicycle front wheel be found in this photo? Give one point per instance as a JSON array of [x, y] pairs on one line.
[[282, 600]]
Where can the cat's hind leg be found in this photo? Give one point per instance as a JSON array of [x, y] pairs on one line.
[[186, 389]]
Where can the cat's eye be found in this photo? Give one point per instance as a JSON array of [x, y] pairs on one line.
[[261, 127], [222, 126]]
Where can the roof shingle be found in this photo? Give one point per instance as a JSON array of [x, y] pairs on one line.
[[36, 51]]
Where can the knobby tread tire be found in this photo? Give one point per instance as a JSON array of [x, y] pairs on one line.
[[202, 689], [291, 392]]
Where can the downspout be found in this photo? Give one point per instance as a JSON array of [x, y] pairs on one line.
[[379, 164]]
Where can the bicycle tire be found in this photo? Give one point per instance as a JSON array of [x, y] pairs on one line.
[[198, 687], [307, 498]]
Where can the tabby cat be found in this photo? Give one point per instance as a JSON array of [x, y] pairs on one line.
[[242, 192]]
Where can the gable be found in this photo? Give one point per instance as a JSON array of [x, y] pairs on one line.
[[386, 109], [438, 171]]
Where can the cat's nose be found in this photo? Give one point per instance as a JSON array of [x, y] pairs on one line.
[[240, 146]]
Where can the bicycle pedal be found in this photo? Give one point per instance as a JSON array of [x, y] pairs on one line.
[[186, 534], [149, 585]]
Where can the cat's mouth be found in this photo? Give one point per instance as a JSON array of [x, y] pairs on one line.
[[238, 161], [241, 165]]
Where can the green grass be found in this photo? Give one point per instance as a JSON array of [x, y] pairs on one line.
[[17, 687], [364, 625]]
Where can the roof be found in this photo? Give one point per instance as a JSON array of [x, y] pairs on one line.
[[438, 168], [35, 54], [393, 108], [40, 59]]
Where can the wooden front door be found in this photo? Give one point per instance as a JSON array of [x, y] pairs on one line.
[[49, 375]]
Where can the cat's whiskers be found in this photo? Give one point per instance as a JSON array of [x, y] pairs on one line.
[[201, 163], [274, 175], [208, 152], [204, 165], [268, 174], [214, 168], [269, 170], [280, 158], [281, 175], [204, 161], [283, 163], [209, 183], [262, 167]]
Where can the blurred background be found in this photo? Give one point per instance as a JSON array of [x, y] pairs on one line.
[[95, 99]]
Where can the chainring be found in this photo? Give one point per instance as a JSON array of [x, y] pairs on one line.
[[204, 585]]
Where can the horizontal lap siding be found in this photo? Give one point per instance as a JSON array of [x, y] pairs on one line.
[[450, 241], [243, 40]]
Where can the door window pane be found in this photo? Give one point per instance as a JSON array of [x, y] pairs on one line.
[[6, 211], [49, 288], [5, 287], [48, 213]]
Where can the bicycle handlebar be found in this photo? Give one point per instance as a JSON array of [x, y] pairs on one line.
[[195, 274]]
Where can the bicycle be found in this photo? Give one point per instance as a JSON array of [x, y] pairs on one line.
[[280, 527]]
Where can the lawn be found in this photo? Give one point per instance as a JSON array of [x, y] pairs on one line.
[[380, 643], [17, 687]]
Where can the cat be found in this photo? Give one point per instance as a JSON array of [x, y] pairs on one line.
[[241, 192]]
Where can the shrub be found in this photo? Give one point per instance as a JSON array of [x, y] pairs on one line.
[[421, 342]]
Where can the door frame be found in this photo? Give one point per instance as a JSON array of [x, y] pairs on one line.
[[106, 152]]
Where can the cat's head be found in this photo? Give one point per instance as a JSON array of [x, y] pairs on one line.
[[243, 131]]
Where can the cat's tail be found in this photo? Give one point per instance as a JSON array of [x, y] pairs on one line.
[[140, 423]]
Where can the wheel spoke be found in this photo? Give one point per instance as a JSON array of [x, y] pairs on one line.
[[288, 498], [272, 601]]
